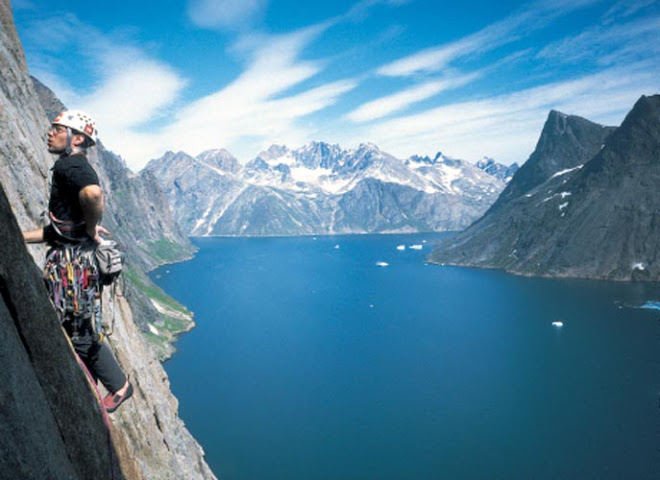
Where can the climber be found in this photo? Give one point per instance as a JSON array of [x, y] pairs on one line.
[[75, 209]]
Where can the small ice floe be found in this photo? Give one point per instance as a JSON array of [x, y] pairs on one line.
[[558, 324], [651, 305], [423, 241], [337, 247], [415, 247], [371, 305], [382, 264], [400, 247], [153, 329]]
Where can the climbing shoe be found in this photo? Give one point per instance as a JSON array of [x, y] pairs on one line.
[[112, 401]]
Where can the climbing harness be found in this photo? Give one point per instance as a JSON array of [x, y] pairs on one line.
[[72, 278], [68, 230]]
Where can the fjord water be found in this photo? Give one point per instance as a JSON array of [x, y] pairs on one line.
[[312, 359]]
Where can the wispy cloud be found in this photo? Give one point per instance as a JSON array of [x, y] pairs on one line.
[[384, 106], [234, 15], [361, 9], [132, 91], [625, 8], [608, 44], [505, 125], [489, 38], [129, 88], [285, 91], [255, 108]]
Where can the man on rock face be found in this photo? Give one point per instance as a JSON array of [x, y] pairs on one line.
[[71, 273]]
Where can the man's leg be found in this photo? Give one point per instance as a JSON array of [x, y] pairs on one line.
[[103, 365]]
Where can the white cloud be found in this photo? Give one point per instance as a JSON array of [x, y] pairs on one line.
[[504, 126], [625, 8], [225, 14], [384, 106], [264, 104], [255, 109], [131, 97], [490, 37], [360, 10], [608, 45], [128, 89]]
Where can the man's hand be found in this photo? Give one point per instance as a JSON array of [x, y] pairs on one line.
[[95, 234], [34, 236]]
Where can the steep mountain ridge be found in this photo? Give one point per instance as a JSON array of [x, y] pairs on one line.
[[566, 141], [47, 405], [322, 189], [600, 219]]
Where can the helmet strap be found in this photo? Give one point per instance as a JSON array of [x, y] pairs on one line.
[[69, 148], [69, 136]]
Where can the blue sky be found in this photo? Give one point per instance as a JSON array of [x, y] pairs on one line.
[[468, 78]]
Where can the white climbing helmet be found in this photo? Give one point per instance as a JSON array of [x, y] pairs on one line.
[[78, 121]]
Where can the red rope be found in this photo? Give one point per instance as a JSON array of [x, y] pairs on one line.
[[106, 418]]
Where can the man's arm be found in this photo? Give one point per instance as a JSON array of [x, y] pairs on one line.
[[34, 236], [92, 204]]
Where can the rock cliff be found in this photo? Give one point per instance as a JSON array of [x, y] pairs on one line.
[[51, 424], [592, 212]]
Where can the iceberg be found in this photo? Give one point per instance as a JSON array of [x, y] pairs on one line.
[[401, 247], [416, 247], [651, 305], [337, 247], [558, 324], [382, 264]]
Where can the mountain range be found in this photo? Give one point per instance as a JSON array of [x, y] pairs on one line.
[[324, 189], [585, 204]]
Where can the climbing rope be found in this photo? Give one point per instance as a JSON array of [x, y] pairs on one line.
[[106, 417]]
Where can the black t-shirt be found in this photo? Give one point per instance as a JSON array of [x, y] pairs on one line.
[[70, 175]]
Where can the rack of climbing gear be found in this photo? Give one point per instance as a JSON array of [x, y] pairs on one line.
[[72, 278]]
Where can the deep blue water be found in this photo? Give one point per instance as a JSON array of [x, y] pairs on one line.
[[312, 362]]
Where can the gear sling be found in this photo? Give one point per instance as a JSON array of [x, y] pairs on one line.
[[73, 281]]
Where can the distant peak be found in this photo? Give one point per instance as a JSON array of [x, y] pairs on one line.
[[369, 147]]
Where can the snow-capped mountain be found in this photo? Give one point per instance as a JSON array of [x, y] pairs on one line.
[[323, 189], [498, 170]]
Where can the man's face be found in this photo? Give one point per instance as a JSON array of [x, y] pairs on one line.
[[56, 139]]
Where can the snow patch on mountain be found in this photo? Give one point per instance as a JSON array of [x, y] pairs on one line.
[[322, 188]]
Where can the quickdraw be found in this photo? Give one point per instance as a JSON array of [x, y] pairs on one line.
[[72, 278]]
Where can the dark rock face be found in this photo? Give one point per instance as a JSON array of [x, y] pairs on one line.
[[566, 142], [600, 220], [51, 424]]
